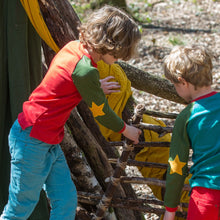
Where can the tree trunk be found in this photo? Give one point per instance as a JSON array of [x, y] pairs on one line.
[[147, 82], [61, 20], [96, 158], [83, 176]]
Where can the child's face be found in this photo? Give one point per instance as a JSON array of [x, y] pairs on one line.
[[109, 59]]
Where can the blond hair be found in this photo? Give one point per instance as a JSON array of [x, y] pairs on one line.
[[194, 64], [110, 30]]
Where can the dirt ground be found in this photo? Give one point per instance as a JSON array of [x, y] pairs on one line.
[[175, 22]]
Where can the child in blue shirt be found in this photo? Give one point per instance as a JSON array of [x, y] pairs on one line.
[[196, 127]]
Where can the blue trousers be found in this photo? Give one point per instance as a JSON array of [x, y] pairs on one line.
[[36, 165]]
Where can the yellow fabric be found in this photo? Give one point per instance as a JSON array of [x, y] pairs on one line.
[[154, 154], [118, 100], [32, 9]]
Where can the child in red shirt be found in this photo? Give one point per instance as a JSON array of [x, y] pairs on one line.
[[36, 158]]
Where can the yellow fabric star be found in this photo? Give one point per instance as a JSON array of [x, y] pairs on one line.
[[97, 109], [176, 165]]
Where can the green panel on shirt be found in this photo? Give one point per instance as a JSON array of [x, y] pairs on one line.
[[179, 155], [86, 80]]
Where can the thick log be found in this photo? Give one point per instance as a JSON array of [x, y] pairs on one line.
[[61, 20], [84, 177], [96, 158], [92, 150], [147, 82]]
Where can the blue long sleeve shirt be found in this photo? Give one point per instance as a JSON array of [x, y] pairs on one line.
[[196, 127]]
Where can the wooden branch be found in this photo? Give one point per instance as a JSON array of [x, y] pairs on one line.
[[157, 128], [114, 181], [131, 162], [150, 181], [82, 214], [142, 144], [84, 178], [150, 83], [130, 203], [139, 111], [160, 114], [92, 150]]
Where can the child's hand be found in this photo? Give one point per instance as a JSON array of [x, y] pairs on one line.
[[132, 133], [169, 215], [109, 87]]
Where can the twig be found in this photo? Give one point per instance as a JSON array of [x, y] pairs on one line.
[[142, 144], [157, 128]]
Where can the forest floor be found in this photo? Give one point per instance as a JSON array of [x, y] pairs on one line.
[[175, 22], [166, 24]]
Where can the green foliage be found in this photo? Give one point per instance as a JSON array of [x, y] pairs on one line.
[[81, 9], [176, 40], [139, 13], [140, 29], [176, 1]]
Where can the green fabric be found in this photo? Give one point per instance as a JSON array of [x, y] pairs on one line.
[[180, 145], [20, 72], [86, 80]]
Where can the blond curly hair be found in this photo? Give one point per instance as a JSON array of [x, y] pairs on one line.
[[109, 30], [192, 63]]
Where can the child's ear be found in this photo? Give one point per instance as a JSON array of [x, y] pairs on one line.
[[182, 80]]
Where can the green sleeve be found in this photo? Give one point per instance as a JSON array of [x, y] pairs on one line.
[[178, 160], [86, 80]]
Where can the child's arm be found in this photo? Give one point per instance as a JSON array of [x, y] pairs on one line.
[[178, 160], [89, 87], [169, 215], [132, 133]]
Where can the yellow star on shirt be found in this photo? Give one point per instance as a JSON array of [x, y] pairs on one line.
[[176, 166], [97, 109]]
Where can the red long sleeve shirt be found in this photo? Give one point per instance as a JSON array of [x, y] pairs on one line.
[[72, 76]]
